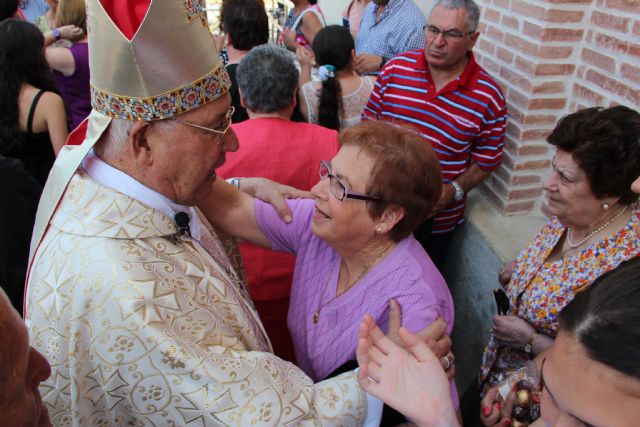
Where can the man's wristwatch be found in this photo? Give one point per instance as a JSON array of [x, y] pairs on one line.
[[459, 194], [56, 34], [528, 347]]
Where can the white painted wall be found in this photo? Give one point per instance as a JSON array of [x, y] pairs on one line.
[[332, 9]]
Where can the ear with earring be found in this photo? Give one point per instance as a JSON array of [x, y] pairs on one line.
[[605, 206], [378, 229]]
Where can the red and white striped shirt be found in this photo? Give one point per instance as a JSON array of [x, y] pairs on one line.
[[464, 122]]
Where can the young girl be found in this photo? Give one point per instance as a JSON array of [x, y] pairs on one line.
[[337, 100]]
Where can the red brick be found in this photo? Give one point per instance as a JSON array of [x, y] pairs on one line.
[[580, 72], [548, 88], [555, 52], [519, 207], [611, 22], [635, 30], [494, 33], [554, 69], [533, 150], [562, 34], [511, 22], [558, 15], [540, 119], [487, 46], [625, 5], [513, 130], [582, 92], [515, 114], [526, 179], [527, 9], [617, 45], [532, 165], [607, 83], [535, 135], [498, 185], [570, 1], [526, 66], [516, 98], [504, 4], [631, 72], [601, 61], [548, 104], [490, 64], [532, 30], [518, 80], [492, 196], [525, 193], [633, 95], [522, 45], [507, 159], [504, 55], [491, 15]]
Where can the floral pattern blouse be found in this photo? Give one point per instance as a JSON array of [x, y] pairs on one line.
[[539, 289]]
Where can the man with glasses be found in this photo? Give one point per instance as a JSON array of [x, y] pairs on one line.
[[388, 27], [455, 104]]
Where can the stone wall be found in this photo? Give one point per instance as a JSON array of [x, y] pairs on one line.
[[551, 58]]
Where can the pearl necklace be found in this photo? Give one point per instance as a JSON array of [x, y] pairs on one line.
[[594, 232]]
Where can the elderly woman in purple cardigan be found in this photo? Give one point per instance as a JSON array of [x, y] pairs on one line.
[[353, 241]]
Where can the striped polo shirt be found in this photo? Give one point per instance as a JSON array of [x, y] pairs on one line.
[[464, 122]]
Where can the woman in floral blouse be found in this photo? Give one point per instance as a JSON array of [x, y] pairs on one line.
[[593, 215]]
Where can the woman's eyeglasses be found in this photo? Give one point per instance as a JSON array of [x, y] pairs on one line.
[[338, 188]]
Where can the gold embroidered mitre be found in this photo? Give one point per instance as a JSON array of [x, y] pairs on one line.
[[162, 66]]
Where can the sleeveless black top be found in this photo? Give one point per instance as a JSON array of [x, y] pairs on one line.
[[37, 153]]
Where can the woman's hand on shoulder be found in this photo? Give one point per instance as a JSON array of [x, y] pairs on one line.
[[71, 33], [273, 193], [512, 331]]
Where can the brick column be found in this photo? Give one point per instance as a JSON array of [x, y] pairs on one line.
[[551, 58]]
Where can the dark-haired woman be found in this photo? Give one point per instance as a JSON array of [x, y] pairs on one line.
[[593, 215], [33, 123], [302, 24], [335, 102]]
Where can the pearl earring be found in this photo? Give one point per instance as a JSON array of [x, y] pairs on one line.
[[605, 206], [378, 229]]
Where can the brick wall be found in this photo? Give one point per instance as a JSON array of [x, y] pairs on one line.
[[552, 58]]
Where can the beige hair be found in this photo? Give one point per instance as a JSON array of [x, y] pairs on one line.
[[72, 12]]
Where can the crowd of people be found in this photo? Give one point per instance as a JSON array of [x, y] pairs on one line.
[[177, 260]]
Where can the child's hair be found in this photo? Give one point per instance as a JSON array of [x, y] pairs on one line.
[[332, 46]]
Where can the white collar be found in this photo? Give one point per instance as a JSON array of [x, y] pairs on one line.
[[111, 177]]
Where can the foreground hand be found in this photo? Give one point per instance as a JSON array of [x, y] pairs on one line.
[[512, 330], [273, 193], [494, 412], [366, 63], [71, 32], [411, 382], [434, 336]]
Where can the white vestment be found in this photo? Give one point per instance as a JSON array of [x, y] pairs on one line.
[[142, 329]]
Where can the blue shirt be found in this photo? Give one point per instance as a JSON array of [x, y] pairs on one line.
[[33, 8], [399, 29]]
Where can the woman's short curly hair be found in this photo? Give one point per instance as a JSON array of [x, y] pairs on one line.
[[605, 143], [406, 171]]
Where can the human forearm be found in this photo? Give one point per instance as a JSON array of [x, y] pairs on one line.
[[473, 176], [231, 210]]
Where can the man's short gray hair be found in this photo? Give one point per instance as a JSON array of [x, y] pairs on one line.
[[472, 8], [114, 139], [267, 77]]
